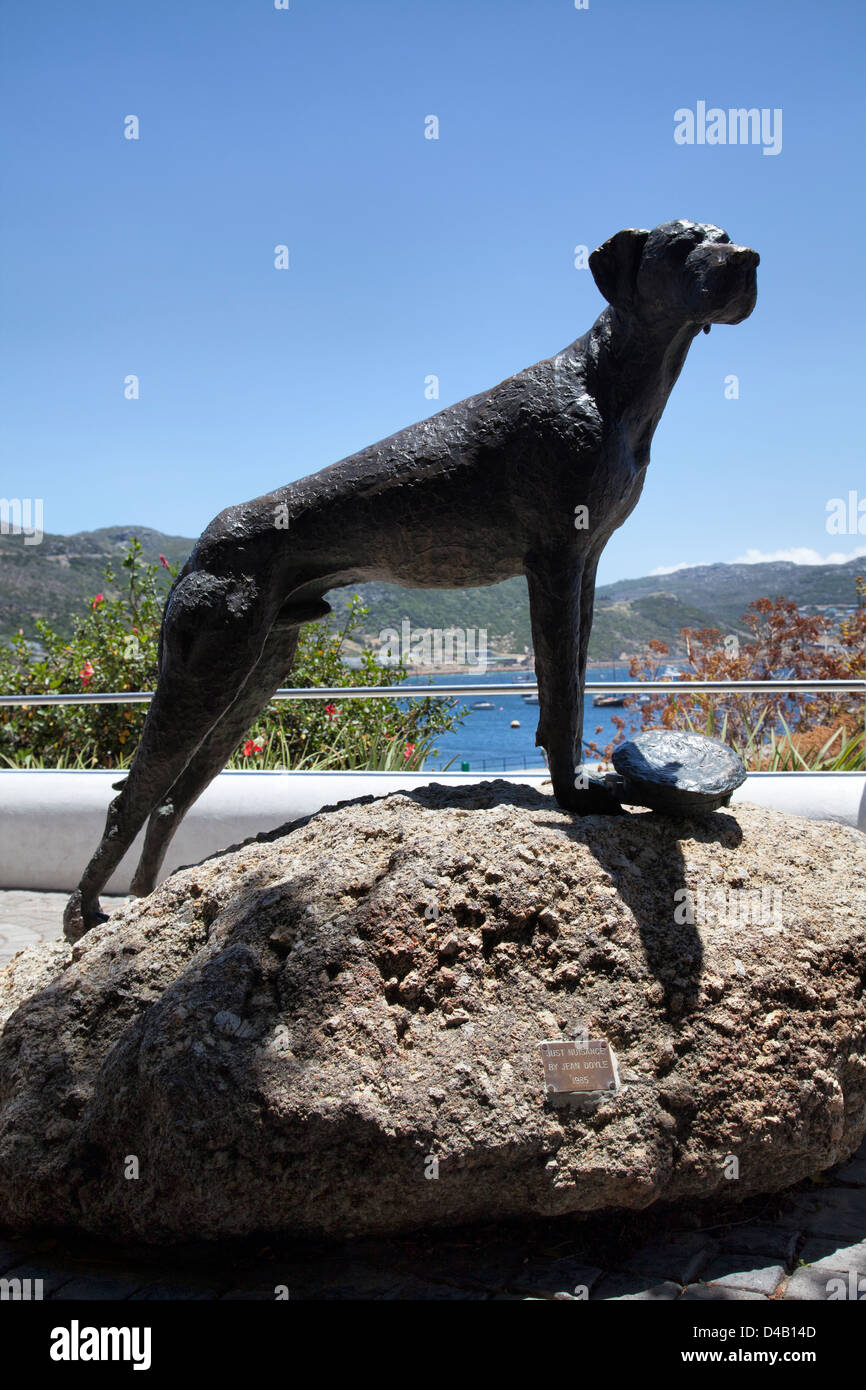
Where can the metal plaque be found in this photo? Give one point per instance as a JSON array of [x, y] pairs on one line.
[[580, 1066]]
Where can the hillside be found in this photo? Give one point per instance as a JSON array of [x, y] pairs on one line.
[[55, 579], [727, 590], [503, 609]]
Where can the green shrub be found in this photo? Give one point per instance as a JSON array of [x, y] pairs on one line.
[[114, 647]]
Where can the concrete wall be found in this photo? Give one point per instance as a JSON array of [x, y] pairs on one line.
[[51, 821]]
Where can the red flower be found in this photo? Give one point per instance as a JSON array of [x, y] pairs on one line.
[[410, 749], [100, 598], [331, 711], [86, 673], [252, 746], [164, 562]]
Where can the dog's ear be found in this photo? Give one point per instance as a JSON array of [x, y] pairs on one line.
[[615, 263]]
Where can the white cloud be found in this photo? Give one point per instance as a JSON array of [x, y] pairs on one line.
[[795, 555], [798, 555]]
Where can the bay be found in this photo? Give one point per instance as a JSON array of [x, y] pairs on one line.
[[485, 739]]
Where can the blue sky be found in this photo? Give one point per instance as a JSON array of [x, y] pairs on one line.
[[411, 257]]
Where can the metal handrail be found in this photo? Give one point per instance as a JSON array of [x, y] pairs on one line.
[[418, 692]]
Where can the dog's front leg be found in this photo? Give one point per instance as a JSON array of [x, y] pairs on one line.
[[560, 607]]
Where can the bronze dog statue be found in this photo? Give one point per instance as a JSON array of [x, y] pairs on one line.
[[531, 477]]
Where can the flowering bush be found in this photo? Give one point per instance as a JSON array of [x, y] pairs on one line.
[[777, 732], [114, 647], [354, 733]]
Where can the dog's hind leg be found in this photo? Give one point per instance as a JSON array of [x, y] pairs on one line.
[[214, 752], [213, 633], [561, 586]]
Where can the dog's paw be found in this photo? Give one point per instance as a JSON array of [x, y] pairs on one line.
[[77, 919]]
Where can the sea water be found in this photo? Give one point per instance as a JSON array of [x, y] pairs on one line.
[[485, 739]]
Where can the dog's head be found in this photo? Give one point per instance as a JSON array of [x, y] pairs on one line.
[[677, 274]]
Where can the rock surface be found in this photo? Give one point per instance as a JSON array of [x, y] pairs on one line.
[[286, 1036]]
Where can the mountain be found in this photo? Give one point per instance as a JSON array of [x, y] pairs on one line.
[[57, 578], [727, 590], [628, 614]]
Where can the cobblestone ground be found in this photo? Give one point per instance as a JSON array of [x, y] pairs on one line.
[[26, 918], [804, 1245]]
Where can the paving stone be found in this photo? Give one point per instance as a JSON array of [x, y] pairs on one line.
[[186, 1281], [374, 1285], [846, 1286], [810, 1284], [108, 1287], [823, 1252], [492, 1267], [718, 1293], [797, 1211], [174, 1293], [835, 1211], [549, 1277], [394, 1288], [680, 1262], [847, 1226], [760, 1279], [418, 1290], [248, 1296], [854, 1171], [775, 1242], [332, 1278], [631, 1288], [52, 1278], [846, 1198], [27, 917], [379, 1286], [327, 1277], [11, 1255]]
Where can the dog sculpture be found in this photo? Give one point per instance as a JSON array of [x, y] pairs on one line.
[[531, 477]]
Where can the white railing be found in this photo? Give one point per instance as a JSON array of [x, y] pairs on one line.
[[51, 819], [418, 692]]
